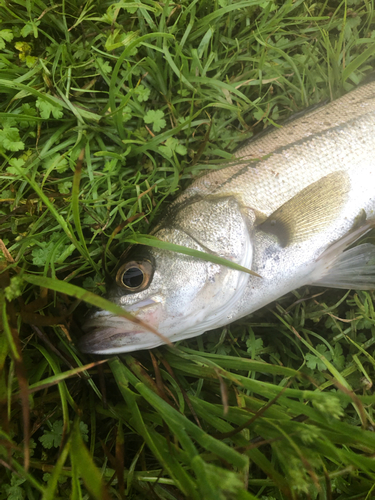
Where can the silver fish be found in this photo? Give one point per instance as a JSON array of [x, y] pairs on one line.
[[288, 208]]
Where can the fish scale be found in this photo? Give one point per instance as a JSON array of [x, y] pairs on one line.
[[337, 113], [266, 184]]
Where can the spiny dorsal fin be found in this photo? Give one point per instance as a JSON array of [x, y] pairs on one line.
[[310, 211]]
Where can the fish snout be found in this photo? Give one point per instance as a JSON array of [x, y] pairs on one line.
[[106, 333]]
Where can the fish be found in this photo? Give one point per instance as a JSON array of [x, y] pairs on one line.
[[289, 207]]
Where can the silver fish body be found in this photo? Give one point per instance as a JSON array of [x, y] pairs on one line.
[[288, 208]]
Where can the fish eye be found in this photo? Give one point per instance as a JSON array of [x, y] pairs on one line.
[[135, 276]]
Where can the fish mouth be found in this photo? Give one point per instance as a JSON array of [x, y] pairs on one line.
[[106, 333]]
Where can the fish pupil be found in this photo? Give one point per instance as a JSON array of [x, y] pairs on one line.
[[133, 277]]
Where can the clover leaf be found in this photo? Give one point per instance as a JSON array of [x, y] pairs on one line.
[[156, 118], [46, 108], [5, 36], [52, 437]]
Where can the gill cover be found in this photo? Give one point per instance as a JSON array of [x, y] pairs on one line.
[[178, 295]]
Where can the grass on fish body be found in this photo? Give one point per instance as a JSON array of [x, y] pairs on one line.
[[107, 110]]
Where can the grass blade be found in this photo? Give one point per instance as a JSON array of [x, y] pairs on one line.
[[152, 241]]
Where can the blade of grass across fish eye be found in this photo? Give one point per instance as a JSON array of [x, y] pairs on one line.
[[89, 297], [152, 241]]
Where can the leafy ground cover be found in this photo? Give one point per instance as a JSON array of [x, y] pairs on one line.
[[106, 111]]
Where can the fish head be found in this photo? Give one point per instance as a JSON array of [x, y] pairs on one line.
[[178, 295]]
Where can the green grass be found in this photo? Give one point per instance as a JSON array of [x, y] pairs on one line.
[[106, 111]]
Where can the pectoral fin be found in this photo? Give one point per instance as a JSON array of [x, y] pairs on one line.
[[353, 268], [310, 211]]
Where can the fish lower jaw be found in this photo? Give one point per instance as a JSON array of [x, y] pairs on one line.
[[97, 340], [108, 334]]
